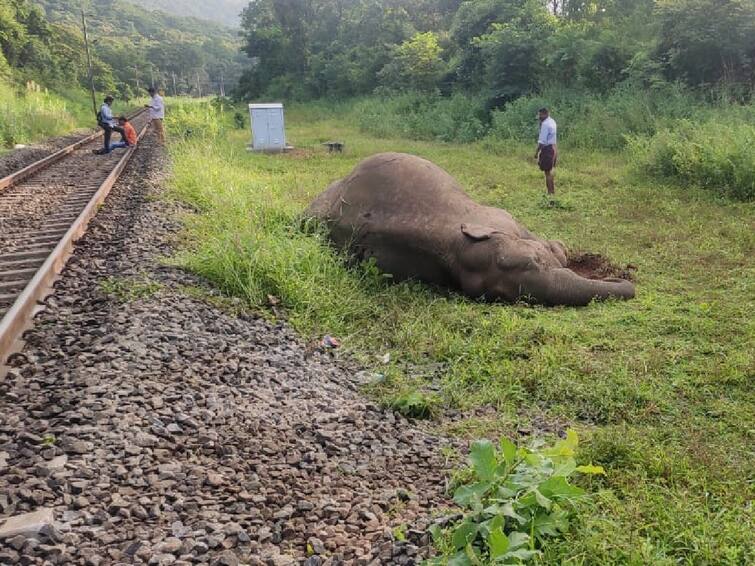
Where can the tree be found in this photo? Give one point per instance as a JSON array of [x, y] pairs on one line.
[[416, 64], [708, 41], [513, 53]]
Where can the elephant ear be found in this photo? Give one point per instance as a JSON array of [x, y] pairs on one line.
[[478, 232]]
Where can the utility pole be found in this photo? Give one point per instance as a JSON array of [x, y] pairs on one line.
[[199, 88], [175, 91], [222, 85], [152, 76], [89, 59], [136, 74]]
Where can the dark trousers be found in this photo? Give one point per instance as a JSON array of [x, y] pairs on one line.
[[109, 133]]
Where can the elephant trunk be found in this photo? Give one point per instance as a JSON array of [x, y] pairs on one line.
[[564, 287]]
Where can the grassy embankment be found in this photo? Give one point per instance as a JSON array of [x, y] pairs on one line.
[[29, 115], [660, 387]]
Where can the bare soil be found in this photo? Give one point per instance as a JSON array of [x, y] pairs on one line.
[[596, 266]]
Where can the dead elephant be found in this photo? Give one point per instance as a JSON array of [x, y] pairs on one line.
[[417, 222]]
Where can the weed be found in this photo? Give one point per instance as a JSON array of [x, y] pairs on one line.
[[514, 500], [126, 290], [414, 404], [715, 155], [399, 532]]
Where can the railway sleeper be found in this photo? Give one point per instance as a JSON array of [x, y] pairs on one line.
[[7, 299], [34, 263], [31, 234], [16, 285], [15, 256], [14, 274]]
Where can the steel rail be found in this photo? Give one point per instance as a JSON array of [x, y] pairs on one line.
[[37, 166], [18, 319]]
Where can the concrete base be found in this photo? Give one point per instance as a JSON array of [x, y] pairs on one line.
[[271, 151]]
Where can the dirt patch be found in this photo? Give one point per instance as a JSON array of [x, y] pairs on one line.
[[596, 266], [299, 153]]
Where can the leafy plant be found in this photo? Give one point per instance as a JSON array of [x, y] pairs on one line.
[[414, 404], [516, 499]]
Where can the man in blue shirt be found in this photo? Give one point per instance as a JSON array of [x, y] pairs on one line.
[[547, 152], [107, 122]]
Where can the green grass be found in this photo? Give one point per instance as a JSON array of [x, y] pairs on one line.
[[659, 387], [31, 114]]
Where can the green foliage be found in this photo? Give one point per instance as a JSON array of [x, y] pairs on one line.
[[500, 48], [708, 41], [42, 40], [513, 50], [415, 65], [223, 11], [716, 155], [515, 499], [414, 404], [594, 120]]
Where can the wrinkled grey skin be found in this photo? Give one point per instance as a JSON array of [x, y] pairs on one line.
[[417, 222]]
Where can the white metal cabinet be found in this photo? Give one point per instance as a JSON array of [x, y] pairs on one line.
[[268, 127]]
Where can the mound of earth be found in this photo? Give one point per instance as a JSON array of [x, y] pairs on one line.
[[596, 266]]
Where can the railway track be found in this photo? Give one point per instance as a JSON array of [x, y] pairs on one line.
[[44, 209]]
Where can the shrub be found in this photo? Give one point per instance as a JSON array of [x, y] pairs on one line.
[[714, 155]]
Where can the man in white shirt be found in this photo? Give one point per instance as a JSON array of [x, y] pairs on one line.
[[547, 152], [157, 113]]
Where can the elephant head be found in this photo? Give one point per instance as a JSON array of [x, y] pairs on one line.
[[497, 265]]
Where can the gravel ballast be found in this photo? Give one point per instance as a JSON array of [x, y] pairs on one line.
[[160, 429], [19, 158]]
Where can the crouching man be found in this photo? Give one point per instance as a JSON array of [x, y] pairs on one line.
[[129, 134]]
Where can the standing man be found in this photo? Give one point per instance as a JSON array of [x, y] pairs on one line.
[[547, 152], [107, 122], [157, 113]]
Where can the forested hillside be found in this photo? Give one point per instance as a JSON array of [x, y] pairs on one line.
[[224, 11], [42, 40], [501, 48]]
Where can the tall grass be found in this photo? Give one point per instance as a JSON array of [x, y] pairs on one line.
[[594, 121], [29, 114], [719, 156], [458, 118]]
